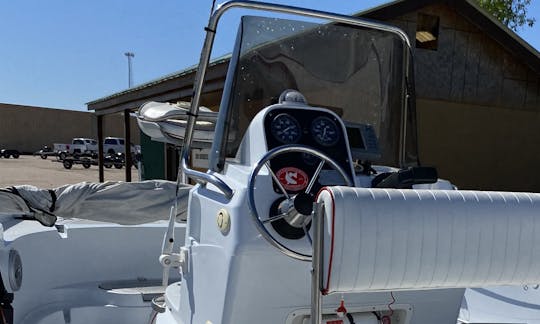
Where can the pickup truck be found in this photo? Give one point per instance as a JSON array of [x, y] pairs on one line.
[[112, 145], [78, 145]]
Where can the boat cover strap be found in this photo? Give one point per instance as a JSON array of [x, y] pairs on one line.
[[392, 239]]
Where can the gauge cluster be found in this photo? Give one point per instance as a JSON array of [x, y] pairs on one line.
[[319, 129], [285, 128]]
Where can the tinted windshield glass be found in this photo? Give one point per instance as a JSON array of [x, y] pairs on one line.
[[356, 72]]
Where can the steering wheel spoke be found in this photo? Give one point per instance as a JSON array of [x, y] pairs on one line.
[[315, 176], [276, 180], [274, 218]]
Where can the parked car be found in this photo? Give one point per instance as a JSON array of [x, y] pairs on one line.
[[112, 145], [78, 145], [6, 153], [83, 145]]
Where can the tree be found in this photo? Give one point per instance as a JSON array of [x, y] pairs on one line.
[[512, 13]]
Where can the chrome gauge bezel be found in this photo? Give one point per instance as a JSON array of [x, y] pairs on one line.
[[325, 131], [292, 132]]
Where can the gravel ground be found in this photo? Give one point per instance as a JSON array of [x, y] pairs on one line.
[[47, 174]]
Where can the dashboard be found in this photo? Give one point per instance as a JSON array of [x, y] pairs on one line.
[[318, 129]]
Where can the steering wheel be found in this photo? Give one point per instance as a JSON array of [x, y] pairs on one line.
[[296, 208]]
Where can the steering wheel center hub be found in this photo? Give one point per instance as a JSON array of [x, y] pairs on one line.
[[293, 216]]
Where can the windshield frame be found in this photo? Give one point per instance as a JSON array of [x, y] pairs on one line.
[[215, 166]]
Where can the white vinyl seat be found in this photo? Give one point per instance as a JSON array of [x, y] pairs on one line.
[[390, 239]]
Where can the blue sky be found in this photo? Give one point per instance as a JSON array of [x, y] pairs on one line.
[[64, 53]]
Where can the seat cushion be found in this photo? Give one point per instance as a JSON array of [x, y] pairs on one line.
[[391, 239]]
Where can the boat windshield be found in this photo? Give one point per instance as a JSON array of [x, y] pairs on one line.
[[356, 72]]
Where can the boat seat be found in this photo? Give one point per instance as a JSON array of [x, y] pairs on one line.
[[422, 239]]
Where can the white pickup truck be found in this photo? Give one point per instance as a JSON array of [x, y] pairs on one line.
[[113, 145], [78, 145]]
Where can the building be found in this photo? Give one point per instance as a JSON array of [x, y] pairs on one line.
[[478, 94], [27, 129]]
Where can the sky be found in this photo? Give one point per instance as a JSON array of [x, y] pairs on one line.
[[65, 53]]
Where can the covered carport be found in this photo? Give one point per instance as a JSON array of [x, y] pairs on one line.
[[171, 88]]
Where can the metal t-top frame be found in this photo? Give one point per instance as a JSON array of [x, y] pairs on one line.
[[208, 177]]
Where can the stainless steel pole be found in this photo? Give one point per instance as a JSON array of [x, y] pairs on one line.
[[316, 275]]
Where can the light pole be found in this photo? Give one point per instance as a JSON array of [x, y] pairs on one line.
[[129, 55]]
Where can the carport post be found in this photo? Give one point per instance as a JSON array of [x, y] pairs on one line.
[[127, 144], [100, 147]]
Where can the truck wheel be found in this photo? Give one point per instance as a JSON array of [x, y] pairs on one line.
[[67, 164], [118, 165], [62, 155], [16, 155], [6, 155], [86, 164], [43, 156], [107, 165]]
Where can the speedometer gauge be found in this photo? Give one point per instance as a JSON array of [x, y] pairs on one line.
[[325, 131], [286, 129]]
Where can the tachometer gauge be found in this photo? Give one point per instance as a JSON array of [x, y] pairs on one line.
[[285, 129], [325, 131]]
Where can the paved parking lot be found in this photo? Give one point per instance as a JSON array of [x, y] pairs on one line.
[[47, 174]]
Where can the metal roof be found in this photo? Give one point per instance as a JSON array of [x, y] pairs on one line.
[[468, 8], [115, 98]]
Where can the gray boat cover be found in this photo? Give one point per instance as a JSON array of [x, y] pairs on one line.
[[125, 203]]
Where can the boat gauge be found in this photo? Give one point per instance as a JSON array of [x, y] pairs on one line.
[[286, 129], [325, 131]]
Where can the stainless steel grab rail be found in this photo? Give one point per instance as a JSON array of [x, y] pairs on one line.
[[203, 178]]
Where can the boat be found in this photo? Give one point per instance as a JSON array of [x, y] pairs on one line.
[[314, 208], [85, 253], [166, 122]]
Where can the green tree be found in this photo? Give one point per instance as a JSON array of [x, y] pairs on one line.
[[512, 13]]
